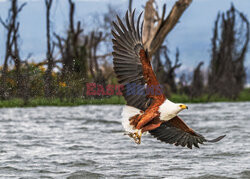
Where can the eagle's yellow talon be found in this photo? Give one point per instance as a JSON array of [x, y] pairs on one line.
[[137, 137]]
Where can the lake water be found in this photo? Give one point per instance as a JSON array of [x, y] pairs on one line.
[[88, 142]]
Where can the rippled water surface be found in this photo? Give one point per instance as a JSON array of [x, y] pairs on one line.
[[88, 142]]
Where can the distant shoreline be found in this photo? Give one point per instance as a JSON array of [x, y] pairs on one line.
[[114, 100]]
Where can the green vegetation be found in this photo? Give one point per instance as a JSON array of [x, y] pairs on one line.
[[57, 102], [243, 96], [33, 102]]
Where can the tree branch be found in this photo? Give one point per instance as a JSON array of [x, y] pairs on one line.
[[4, 24], [21, 7], [154, 35]]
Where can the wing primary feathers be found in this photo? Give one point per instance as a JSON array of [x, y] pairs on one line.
[[119, 57], [131, 80], [183, 141], [130, 29], [132, 22], [200, 140], [169, 136], [122, 25], [138, 27], [174, 138], [129, 37], [190, 143], [121, 33], [121, 62], [123, 54], [217, 139], [179, 140], [196, 142], [141, 30], [126, 59], [120, 42], [196, 145]]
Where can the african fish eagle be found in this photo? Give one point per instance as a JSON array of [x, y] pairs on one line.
[[146, 111]]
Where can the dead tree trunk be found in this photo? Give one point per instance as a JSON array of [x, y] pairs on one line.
[[166, 72], [156, 28], [169, 78], [3, 92], [49, 54], [183, 86], [72, 51], [229, 45], [197, 84], [12, 49], [93, 43], [21, 90]]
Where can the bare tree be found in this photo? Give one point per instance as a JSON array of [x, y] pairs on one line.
[[156, 28], [229, 45], [183, 85], [97, 39], [49, 54], [197, 84], [72, 51], [166, 72], [169, 78], [12, 50], [79, 52]]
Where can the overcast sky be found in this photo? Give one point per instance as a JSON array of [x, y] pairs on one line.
[[192, 35]]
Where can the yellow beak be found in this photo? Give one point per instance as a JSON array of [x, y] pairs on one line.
[[183, 106]]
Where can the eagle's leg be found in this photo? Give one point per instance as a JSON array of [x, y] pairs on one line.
[[143, 122], [140, 121], [134, 120], [137, 136], [130, 134], [155, 123]]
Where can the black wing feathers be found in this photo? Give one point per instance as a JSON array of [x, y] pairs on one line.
[[127, 65], [172, 135]]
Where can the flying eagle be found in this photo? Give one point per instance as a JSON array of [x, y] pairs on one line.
[[147, 109]]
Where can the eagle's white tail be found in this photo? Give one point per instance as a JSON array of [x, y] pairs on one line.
[[127, 113]]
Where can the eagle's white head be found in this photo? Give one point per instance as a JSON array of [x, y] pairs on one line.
[[168, 109]]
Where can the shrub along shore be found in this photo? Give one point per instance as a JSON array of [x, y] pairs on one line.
[[119, 100]]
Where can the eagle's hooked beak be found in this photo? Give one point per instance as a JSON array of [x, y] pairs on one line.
[[183, 106]]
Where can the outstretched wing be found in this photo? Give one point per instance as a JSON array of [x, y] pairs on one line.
[[175, 131], [131, 64]]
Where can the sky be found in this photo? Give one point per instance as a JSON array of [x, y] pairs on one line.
[[192, 35]]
